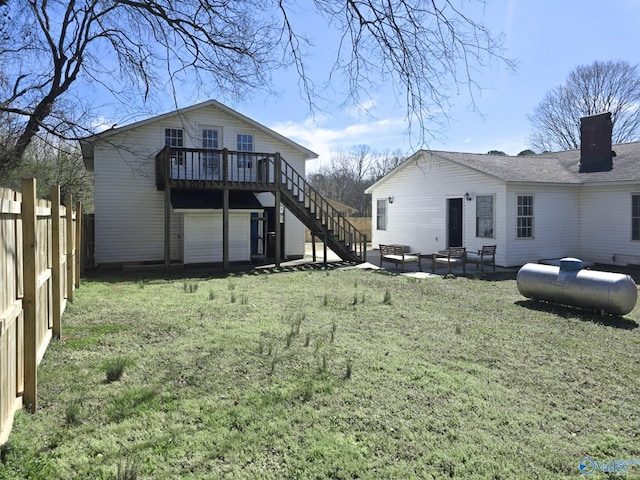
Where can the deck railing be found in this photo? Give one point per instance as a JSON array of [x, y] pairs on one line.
[[181, 165], [318, 206], [205, 168]]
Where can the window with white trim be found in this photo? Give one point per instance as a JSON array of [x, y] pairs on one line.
[[174, 137], [381, 214], [244, 144], [524, 217], [484, 216], [635, 217], [211, 160]]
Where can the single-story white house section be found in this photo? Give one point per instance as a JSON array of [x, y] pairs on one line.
[[137, 219], [581, 203]]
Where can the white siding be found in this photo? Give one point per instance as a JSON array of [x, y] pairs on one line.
[[129, 211], [418, 215], [591, 222], [605, 229], [203, 237], [556, 219]]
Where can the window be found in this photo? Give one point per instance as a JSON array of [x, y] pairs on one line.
[[484, 216], [174, 137], [210, 160], [524, 219], [244, 144], [381, 217], [635, 217]]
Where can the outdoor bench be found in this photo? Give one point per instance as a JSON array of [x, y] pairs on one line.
[[451, 256], [397, 254], [485, 256]]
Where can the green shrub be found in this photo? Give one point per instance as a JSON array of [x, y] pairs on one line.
[[114, 367]]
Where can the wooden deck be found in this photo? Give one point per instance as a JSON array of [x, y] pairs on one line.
[[226, 170]]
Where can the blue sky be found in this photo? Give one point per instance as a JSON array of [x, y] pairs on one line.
[[547, 39]]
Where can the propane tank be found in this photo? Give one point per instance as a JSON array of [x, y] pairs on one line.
[[570, 284]]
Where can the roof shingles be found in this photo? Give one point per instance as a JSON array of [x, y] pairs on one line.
[[559, 167]]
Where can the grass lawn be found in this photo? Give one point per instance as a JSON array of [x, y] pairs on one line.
[[328, 374]]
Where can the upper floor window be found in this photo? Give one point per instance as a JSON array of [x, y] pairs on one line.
[[635, 217], [174, 137], [244, 144], [484, 216], [381, 214], [211, 160], [524, 217], [210, 138]]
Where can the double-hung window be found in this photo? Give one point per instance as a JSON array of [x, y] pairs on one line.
[[381, 214], [174, 137], [484, 216], [244, 144], [635, 217], [210, 160], [524, 217]]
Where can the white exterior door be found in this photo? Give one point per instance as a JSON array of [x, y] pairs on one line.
[[203, 237]]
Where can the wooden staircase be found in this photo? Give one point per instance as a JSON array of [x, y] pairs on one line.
[[319, 216]]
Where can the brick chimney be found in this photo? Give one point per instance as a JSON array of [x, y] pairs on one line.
[[595, 143]]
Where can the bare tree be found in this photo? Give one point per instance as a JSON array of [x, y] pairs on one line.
[[612, 86], [349, 173], [54, 162], [55, 52]]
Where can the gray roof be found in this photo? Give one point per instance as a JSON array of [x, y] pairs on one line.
[[558, 168], [548, 168]]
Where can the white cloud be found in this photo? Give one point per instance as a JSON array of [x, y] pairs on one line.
[[386, 134], [101, 123]]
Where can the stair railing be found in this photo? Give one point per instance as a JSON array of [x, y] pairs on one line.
[[296, 186]]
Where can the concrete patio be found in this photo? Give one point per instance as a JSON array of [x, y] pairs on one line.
[[410, 270]]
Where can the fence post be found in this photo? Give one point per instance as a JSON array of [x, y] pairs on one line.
[[56, 272], [70, 249], [30, 278], [78, 243]]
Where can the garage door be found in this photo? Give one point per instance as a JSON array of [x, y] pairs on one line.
[[203, 237]]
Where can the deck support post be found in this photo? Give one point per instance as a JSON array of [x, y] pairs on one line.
[[225, 229], [278, 174], [364, 248], [278, 232], [313, 246], [325, 248], [167, 228]]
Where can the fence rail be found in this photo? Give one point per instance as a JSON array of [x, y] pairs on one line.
[[39, 269]]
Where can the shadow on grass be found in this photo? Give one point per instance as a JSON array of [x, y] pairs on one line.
[[585, 315], [203, 272], [493, 276]]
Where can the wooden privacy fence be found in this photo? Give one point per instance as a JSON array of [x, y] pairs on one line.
[[39, 270]]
